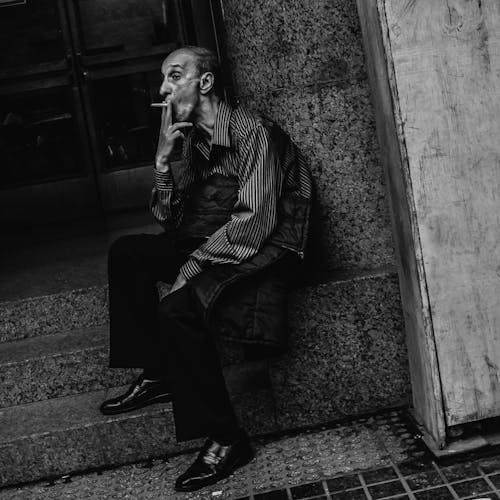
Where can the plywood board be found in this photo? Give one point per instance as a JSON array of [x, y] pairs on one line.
[[426, 386], [445, 57]]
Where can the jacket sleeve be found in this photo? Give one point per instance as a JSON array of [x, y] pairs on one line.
[[167, 197], [255, 213]]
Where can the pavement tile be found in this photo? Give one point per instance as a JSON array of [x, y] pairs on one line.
[[272, 495], [495, 479], [424, 480], [473, 487], [358, 494], [343, 483], [460, 471], [379, 475], [307, 490], [441, 493], [383, 490]]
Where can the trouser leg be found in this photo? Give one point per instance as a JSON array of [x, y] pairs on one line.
[[202, 406], [135, 264]]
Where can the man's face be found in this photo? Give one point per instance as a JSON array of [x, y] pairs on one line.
[[181, 84]]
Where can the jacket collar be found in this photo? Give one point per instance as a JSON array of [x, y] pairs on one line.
[[221, 135]]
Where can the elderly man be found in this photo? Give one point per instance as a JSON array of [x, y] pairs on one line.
[[235, 215]]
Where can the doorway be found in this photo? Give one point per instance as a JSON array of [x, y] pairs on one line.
[[77, 133]]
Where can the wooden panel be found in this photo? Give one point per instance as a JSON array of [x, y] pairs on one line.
[[427, 399], [446, 66]]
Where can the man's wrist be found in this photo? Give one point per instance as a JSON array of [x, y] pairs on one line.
[[162, 165], [163, 180]]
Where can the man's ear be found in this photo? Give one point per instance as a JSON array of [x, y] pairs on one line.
[[207, 81]]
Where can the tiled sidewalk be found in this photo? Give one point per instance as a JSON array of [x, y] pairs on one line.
[[371, 458], [420, 481]]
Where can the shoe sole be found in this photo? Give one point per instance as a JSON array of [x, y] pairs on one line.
[[237, 465], [162, 398]]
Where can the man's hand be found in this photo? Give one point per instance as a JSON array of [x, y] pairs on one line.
[[179, 283], [169, 133]]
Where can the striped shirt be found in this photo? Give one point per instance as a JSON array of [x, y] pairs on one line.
[[241, 148]]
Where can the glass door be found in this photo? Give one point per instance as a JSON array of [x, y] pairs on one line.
[[77, 133], [44, 153], [120, 47]]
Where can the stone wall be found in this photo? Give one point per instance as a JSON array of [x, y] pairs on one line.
[[301, 63]]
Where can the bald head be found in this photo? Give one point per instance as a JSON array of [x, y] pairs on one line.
[[204, 60]]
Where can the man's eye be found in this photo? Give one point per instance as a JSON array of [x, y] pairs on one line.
[[175, 76]]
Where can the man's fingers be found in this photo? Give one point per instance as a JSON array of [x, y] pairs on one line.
[[163, 121], [176, 134], [166, 117], [180, 125], [168, 114]]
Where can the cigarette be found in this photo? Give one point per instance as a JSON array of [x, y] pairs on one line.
[[159, 104]]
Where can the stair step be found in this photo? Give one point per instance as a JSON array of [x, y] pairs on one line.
[[55, 313], [64, 435], [62, 364], [347, 351], [56, 276], [346, 333], [57, 365], [347, 356]]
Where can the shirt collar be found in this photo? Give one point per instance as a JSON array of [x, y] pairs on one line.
[[221, 135]]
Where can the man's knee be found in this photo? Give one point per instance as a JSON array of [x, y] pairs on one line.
[[125, 247], [176, 307]]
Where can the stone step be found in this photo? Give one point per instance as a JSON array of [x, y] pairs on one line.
[[53, 313], [54, 278], [347, 347], [347, 351], [347, 356], [63, 364], [52, 366], [64, 435]]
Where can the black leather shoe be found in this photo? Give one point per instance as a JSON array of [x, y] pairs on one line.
[[141, 393], [215, 462]]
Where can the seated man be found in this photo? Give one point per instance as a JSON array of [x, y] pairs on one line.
[[236, 217]]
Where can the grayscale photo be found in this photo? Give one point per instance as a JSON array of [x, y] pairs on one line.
[[250, 250]]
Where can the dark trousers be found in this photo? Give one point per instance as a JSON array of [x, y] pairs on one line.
[[167, 337]]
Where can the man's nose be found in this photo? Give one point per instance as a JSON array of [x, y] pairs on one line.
[[165, 89]]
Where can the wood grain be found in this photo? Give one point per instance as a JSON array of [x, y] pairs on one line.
[[426, 386], [445, 55]]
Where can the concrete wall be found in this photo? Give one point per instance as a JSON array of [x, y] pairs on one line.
[[301, 63]]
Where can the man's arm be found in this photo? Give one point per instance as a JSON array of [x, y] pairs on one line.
[[255, 213], [166, 199]]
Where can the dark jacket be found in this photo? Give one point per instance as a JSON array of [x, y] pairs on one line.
[[243, 301], [246, 301]]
